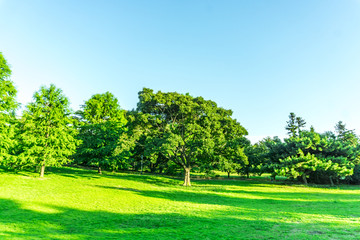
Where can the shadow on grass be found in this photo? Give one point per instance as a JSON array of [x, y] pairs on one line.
[[17, 222], [287, 203], [158, 180]]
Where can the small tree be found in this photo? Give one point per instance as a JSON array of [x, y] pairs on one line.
[[46, 135], [294, 125], [257, 158], [300, 123], [231, 157], [103, 123], [8, 106], [345, 135], [291, 125]]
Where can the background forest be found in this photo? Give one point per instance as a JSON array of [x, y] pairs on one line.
[[170, 133]]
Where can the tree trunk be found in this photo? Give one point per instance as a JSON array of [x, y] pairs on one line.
[[304, 179], [99, 170], [187, 177], [228, 174], [152, 167], [272, 177], [331, 181], [317, 177], [247, 175], [42, 170]]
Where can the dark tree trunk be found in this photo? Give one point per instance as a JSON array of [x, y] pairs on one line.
[[228, 174], [247, 175], [152, 167], [304, 179], [272, 178], [42, 170], [317, 177], [187, 177], [331, 181], [99, 170]]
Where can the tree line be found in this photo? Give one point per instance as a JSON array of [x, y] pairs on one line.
[[167, 133]]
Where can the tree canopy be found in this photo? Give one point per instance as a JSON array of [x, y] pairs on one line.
[[308, 154], [46, 136], [189, 131], [8, 106], [103, 122]]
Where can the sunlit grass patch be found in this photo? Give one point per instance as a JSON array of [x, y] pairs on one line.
[[79, 204]]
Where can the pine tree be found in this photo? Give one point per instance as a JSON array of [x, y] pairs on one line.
[[291, 126], [300, 123]]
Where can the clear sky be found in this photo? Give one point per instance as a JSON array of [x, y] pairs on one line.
[[262, 58]]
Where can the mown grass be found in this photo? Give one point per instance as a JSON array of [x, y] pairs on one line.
[[72, 203]]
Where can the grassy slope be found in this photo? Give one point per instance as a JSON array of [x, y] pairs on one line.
[[78, 204]]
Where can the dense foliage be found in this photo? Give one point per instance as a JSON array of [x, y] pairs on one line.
[[102, 122], [190, 132], [8, 106], [306, 154], [46, 136], [168, 133]]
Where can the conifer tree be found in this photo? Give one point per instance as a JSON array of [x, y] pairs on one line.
[[8, 106], [291, 125], [47, 137]]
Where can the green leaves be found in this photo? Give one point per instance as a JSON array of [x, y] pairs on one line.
[[294, 125], [7, 90], [103, 123], [101, 108], [8, 106], [186, 130], [46, 137], [310, 154]]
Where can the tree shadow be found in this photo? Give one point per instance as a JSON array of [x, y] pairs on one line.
[[17, 222], [77, 172], [289, 203], [119, 188]]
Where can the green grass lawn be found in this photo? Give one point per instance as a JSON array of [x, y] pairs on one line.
[[72, 203]]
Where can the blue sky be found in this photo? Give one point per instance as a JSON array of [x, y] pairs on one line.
[[262, 59]]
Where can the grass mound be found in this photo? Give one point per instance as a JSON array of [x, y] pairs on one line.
[[72, 203]]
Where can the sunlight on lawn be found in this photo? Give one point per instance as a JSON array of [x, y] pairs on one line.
[[78, 204]]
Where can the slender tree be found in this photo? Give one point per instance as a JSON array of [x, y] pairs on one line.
[[8, 106], [345, 135], [46, 135], [291, 126], [300, 123]]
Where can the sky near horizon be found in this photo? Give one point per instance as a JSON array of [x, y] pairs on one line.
[[263, 59]]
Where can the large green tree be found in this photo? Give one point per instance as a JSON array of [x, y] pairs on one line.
[[46, 135], [103, 122], [189, 131], [8, 106]]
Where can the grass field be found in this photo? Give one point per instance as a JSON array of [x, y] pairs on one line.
[[72, 203]]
